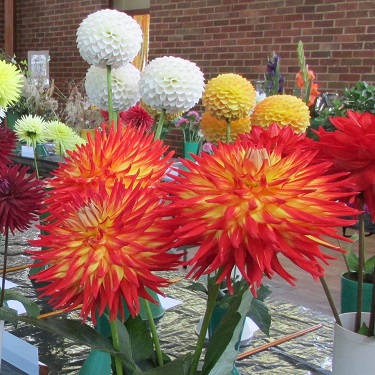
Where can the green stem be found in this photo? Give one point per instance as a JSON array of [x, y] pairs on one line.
[[116, 345], [227, 132], [154, 334], [111, 114], [330, 300], [212, 296], [361, 259], [2, 296], [160, 125], [35, 161]]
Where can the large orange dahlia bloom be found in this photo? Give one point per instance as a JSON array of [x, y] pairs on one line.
[[246, 206], [284, 110], [351, 148], [125, 153], [103, 250], [215, 130]]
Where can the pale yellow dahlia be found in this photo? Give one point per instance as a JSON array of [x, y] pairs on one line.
[[284, 110], [109, 37], [214, 130], [10, 84], [229, 97], [30, 129], [63, 136], [155, 113]]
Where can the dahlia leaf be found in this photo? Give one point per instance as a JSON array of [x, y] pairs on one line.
[[139, 337], [179, 366], [197, 287], [260, 315], [9, 315], [97, 362], [223, 346], [31, 308]]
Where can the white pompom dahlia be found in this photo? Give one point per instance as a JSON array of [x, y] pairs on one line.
[[172, 84], [125, 88], [109, 37]]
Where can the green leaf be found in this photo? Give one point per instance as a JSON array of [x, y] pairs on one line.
[[180, 366], [369, 265], [97, 363], [352, 261], [139, 337], [223, 345], [197, 287], [9, 315], [31, 308], [260, 315], [363, 330]]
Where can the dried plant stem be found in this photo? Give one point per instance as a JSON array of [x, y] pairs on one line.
[[330, 301]]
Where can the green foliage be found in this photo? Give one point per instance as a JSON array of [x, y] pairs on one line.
[[359, 98]]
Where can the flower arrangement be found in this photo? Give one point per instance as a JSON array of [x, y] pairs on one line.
[[189, 124], [113, 219]]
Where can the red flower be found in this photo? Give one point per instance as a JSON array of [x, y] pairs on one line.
[[314, 86], [103, 250], [21, 195], [351, 148], [125, 154], [7, 144], [137, 116], [248, 205]]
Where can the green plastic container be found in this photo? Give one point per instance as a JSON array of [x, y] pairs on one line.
[[190, 148], [349, 289]]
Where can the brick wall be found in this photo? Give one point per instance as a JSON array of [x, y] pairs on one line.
[[237, 36], [52, 25], [2, 24]]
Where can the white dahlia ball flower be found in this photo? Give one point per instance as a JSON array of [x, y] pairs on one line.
[[109, 37], [125, 88], [172, 84]]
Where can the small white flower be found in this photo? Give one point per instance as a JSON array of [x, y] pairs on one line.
[[125, 87], [109, 37], [171, 83]]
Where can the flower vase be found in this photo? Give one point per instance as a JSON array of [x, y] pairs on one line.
[[190, 148], [352, 353], [349, 287]]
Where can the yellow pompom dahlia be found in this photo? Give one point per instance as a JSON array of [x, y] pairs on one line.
[[229, 97], [284, 110], [10, 84], [214, 130]]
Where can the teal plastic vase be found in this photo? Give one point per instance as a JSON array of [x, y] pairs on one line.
[[349, 288], [190, 148]]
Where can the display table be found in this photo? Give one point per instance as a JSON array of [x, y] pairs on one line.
[[306, 355], [45, 164]]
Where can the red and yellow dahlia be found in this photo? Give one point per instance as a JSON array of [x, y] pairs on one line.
[[103, 250], [246, 206], [122, 154], [21, 195], [351, 148]]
